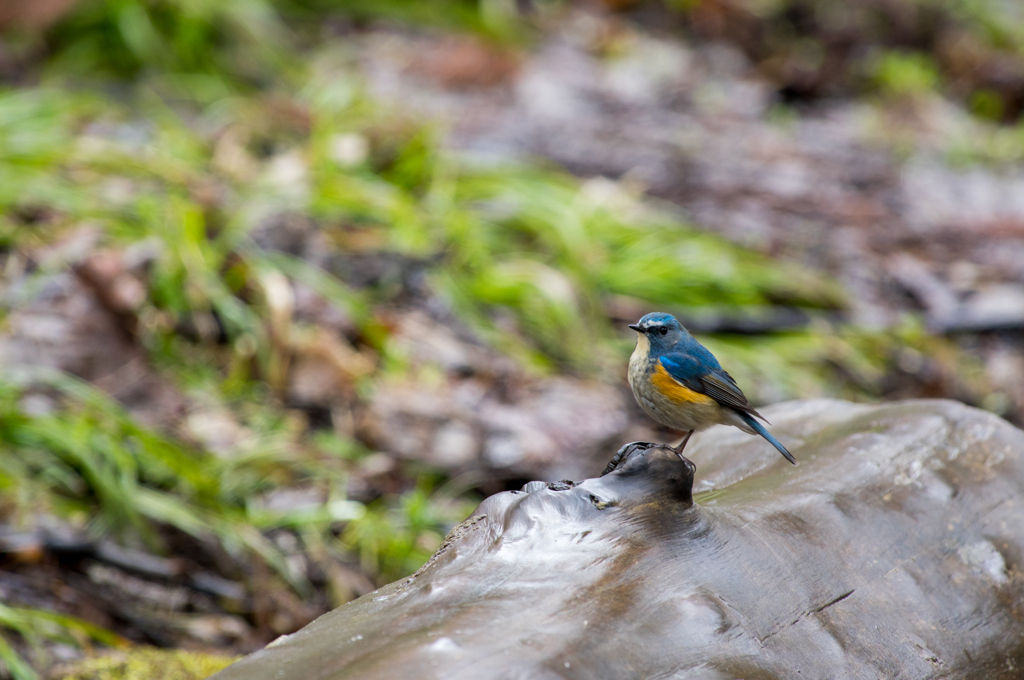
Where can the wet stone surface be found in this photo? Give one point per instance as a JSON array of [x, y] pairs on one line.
[[893, 549]]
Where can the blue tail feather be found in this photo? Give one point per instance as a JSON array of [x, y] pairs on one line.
[[760, 429]]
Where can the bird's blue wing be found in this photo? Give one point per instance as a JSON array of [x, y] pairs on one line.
[[712, 380], [685, 369]]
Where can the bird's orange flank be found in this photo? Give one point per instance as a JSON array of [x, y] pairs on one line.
[[674, 390]]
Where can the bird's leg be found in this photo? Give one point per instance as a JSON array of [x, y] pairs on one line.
[[682, 445]]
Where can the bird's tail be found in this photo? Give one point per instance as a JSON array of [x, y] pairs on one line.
[[760, 429]]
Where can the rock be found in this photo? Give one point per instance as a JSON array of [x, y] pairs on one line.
[[894, 549], [997, 308]]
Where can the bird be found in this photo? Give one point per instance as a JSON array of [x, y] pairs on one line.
[[679, 382]]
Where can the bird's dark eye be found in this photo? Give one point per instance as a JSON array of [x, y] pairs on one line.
[[663, 330]]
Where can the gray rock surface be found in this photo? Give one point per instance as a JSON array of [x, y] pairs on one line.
[[893, 550]]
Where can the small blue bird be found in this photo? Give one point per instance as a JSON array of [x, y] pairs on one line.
[[679, 382]]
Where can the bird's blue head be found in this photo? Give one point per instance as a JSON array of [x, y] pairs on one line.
[[662, 330]]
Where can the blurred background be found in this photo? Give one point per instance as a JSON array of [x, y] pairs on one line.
[[288, 286]]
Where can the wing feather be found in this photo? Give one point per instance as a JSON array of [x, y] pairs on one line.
[[715, 383], [723, 389]]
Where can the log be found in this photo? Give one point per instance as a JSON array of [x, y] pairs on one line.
[[893, 550]]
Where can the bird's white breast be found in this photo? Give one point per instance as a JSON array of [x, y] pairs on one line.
[[689, 415], [638, 361]]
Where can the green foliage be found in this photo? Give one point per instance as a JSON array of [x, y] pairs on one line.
[[987, 104], [1001, 145], [524, 245], [34, 625], [92, 465], [526, 242], [90, 461], [536, 246], [496, 18], [905, 73], [553, 253], [840, 361], [997, 23], [397, 535], [227, 42], [207, 48]]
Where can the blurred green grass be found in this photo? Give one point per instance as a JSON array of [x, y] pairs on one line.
[[34, 625], [184, 128]]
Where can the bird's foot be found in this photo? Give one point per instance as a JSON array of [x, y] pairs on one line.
[[624, 454]]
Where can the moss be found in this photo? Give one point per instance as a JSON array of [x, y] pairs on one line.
[[145, 663]]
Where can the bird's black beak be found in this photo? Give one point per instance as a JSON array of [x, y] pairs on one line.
[[636, 327]]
